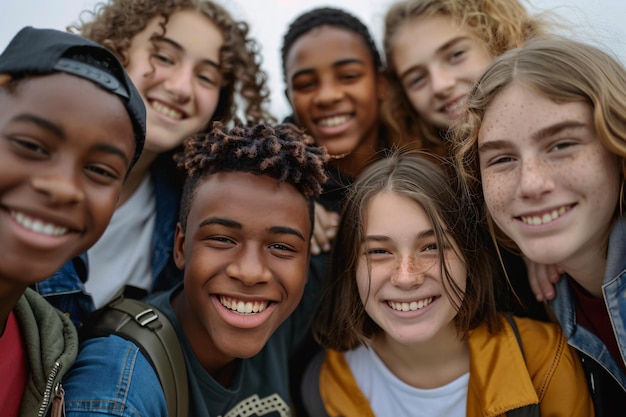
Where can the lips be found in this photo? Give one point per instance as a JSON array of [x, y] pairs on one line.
[[545, 218], [37, 225], [455, 106]]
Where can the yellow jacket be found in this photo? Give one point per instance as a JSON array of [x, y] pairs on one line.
[[500, 379]]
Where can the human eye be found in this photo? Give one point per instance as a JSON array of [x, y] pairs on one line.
[[414, 81], [350, 76], [561, 145], [457, 55], [282, 250], [219, 241], [304, 85], [102, 174], [29, 148]]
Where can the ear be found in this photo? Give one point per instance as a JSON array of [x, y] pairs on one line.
[[286, 91], [382, 85], [179, 247]]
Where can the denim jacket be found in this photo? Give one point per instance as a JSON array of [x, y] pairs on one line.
[[614, 290], [66, 290]]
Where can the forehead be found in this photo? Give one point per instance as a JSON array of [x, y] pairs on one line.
[[258, 201], [72, 103], [519, 110], [324, 46], [192, 30]]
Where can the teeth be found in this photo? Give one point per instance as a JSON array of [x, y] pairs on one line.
[[456, 106], [38, 226], [333, 121], [243, 307], [412, 306], [546, 218], [169, 112]]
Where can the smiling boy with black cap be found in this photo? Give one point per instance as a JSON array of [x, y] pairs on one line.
[[71, 127]]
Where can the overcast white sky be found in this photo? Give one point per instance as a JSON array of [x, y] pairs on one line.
[[597, 20]]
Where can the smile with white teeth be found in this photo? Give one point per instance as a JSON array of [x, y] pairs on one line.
[[455, 107], [38, 226], [333, 121], [412, 306], [546, 218], [243, 307], [167, 111]]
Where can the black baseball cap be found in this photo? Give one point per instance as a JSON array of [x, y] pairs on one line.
[[43, 51]]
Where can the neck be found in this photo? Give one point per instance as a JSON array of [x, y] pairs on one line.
[[426, 365], [353, 163], [588, 268], [136, 175]]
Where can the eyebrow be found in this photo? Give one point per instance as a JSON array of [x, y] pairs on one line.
[[335, 65], [59, 132], [179, 47], [443, 47], [536, 136], [232, 224], [381, 238]]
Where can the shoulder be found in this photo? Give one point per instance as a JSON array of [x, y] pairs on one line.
[[111, 375]]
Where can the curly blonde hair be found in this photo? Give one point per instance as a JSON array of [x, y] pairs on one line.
[[500, 24], [561, 69], [114, 24]]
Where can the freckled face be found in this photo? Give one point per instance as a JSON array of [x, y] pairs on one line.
[[404, 293], [549, 183], [437, 62]]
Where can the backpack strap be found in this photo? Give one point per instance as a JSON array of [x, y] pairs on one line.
[[310, 387], [153, 333], [530, 410]]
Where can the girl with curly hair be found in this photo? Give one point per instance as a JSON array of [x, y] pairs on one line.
[[193, 64]]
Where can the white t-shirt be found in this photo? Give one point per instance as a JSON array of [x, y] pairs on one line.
[[123, 254], [389, 396]]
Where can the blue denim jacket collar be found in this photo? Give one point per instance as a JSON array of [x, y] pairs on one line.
[[614, 290]]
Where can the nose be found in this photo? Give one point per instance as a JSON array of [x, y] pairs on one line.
[[409, 272], [249, 267], [328, 93], [59, 189], [535, 179], [442, 81], [179, 83]]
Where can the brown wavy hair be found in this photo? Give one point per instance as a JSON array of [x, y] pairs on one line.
[[114, 24], [500, 24], [341, 322]]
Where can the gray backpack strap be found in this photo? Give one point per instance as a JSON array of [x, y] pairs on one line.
[[310, 387], [153, 333], [530, 410]]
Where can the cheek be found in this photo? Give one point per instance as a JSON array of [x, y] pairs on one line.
[[496, 190], [363, 281], [208, 101]]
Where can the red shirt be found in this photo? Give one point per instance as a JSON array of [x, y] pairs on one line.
[[13, 368], [591, 313]]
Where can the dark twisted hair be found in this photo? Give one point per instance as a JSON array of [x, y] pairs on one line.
[[283, 152], [327, 16]]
